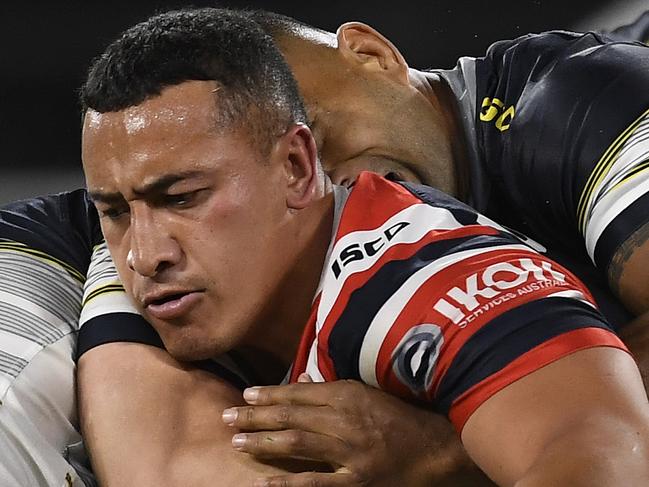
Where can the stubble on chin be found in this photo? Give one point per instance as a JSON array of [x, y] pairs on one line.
[[187, 347]]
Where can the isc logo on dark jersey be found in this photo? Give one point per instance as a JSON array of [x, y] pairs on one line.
[[369, 248], [414, 359]]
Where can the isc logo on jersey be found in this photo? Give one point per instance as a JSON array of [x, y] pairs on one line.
[[496, 284], [359, 251]]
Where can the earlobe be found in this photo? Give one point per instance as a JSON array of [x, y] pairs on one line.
[[301, 166], [363, 44]]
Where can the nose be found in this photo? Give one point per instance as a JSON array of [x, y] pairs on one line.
[[153, 248]]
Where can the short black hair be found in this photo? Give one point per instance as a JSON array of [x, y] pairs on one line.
[[256, 86]]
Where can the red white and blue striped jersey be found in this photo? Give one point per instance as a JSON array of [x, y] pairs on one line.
[[423, 297]]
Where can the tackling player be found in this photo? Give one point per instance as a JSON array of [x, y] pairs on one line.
[[544, 134]]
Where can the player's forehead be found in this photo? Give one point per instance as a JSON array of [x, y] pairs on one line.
[[174, 133], [191, 104]]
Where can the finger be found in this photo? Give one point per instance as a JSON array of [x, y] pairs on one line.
[[319, 419], [296, 444], [309, 479], [311, 394], [304, 378]]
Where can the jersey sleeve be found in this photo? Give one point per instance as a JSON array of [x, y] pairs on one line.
[[108, 315], [563, 125], [450, 309], [45, 246], [64, 227]]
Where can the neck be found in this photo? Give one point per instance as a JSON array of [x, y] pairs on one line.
[[443, 101], [275, 339]]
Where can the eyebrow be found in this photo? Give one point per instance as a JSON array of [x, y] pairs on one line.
[[157, 186]]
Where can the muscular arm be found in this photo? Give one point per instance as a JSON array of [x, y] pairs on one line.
[[594, 431], [148, 420]]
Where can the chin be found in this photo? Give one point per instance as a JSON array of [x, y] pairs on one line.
[[186, 349]]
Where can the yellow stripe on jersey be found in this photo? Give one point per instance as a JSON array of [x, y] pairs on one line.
[[24, 249], [601, 170], [107, 289], [636, 171]]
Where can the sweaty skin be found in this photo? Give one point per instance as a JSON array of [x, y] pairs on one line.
[[162, 189]]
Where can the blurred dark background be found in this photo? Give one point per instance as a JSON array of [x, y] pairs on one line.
[[45, 48]]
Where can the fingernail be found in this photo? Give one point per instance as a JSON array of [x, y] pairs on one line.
[[229, 415], [261, 483], [251, 394], [239, 441]]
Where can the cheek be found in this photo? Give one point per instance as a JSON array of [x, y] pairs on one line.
[[225, 240], [237, 227]]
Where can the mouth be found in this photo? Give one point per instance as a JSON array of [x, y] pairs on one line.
[[171, 305]]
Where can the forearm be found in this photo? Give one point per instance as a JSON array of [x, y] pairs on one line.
[[148, 420]]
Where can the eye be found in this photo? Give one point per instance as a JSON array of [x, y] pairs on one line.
[[406, 174], [393, 176], [182, 200], [113, 213]]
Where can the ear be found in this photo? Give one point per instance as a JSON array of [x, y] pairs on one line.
[[361, 43], [302, 168]]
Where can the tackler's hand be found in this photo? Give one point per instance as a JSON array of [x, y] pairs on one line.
[[367, 436]]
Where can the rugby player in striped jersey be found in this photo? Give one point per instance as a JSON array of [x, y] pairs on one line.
[[31, 231], [228, 236]]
